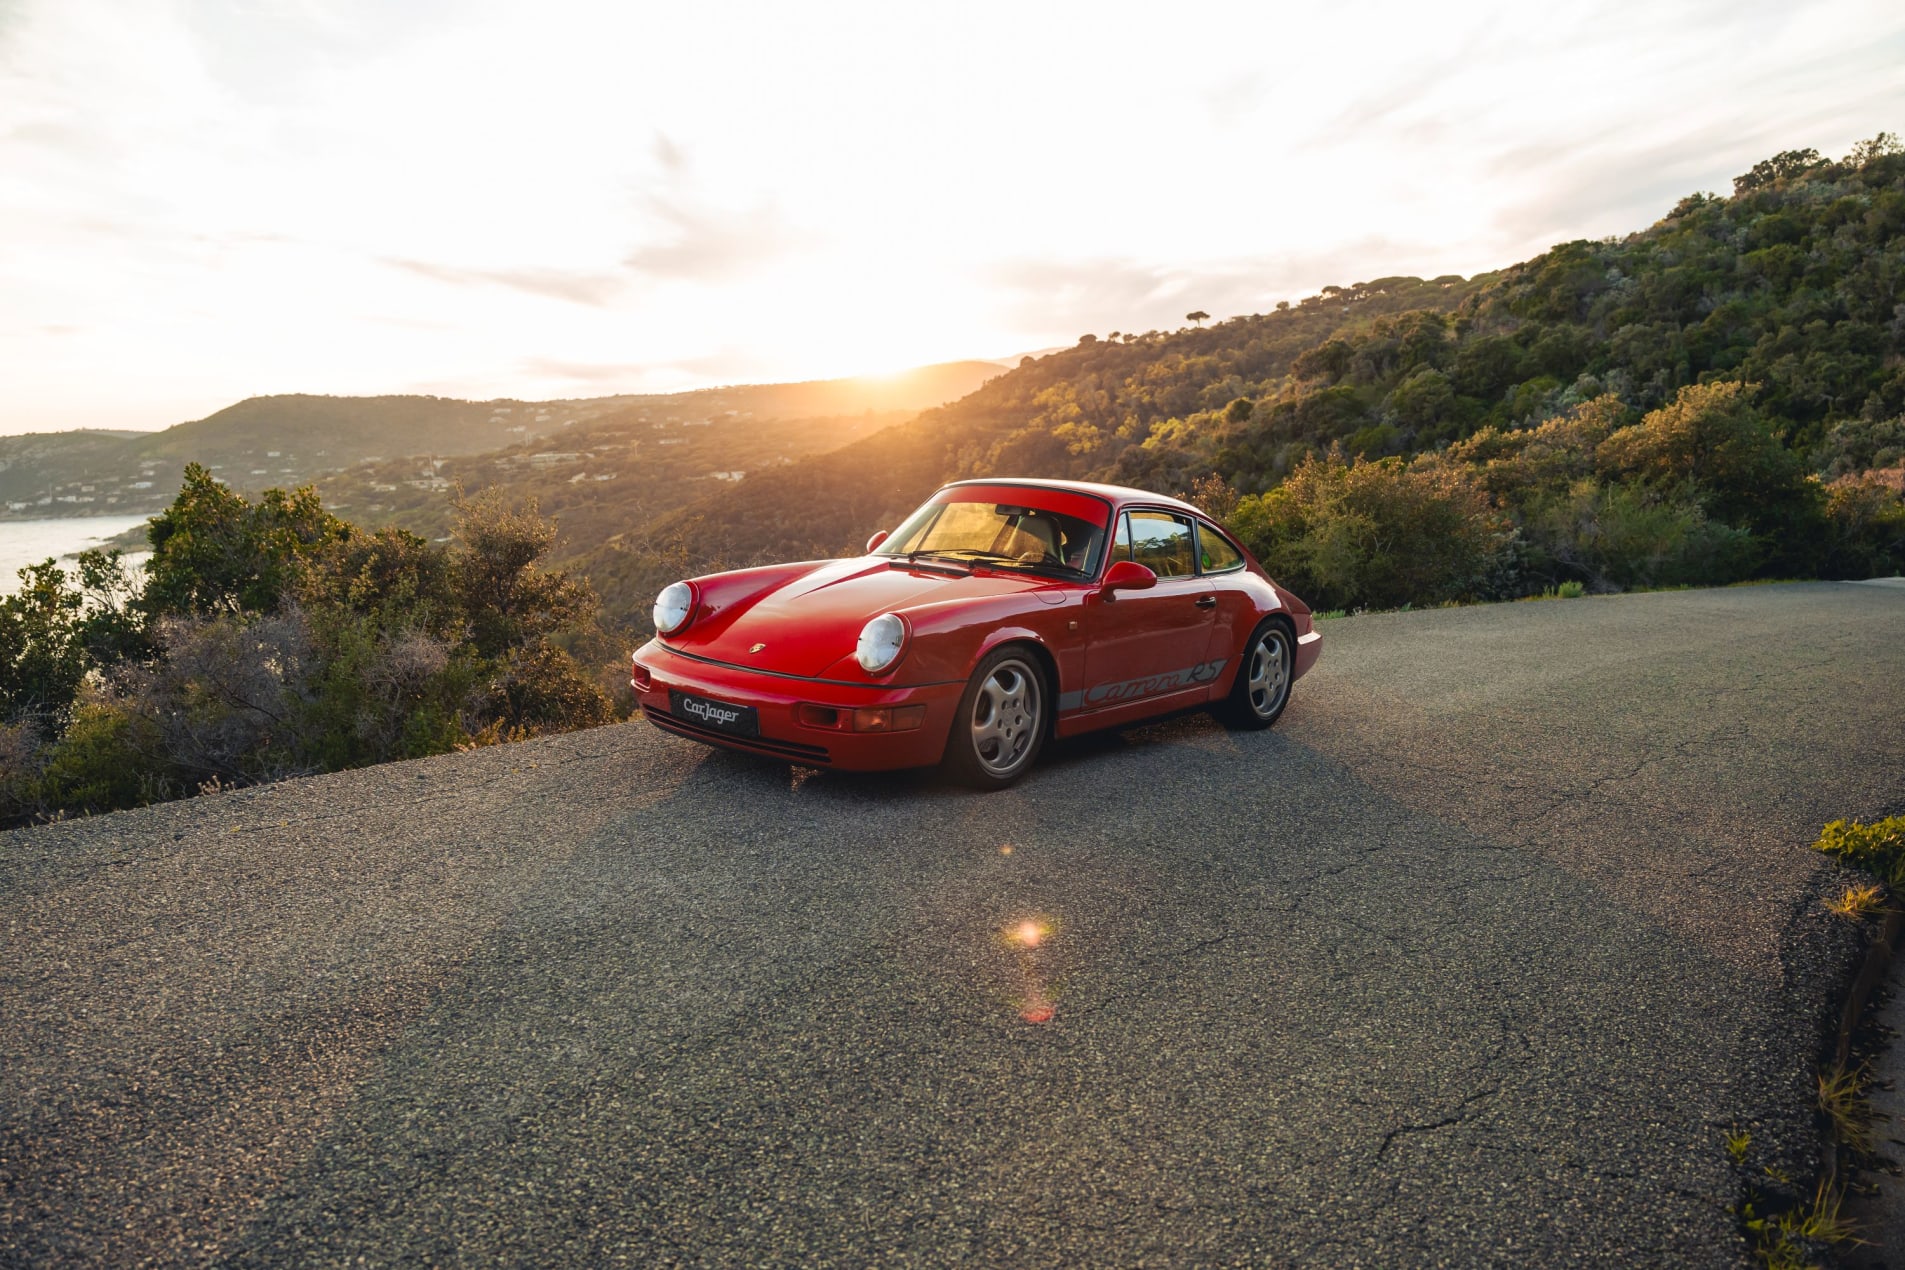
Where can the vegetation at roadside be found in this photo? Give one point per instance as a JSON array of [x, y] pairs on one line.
[[1877, 848], [271, 638], [1788, 1229]]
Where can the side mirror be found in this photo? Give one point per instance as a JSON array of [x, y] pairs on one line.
[[1128, 575], [875, 541]]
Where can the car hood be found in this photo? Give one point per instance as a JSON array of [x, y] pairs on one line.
[[805, 626]]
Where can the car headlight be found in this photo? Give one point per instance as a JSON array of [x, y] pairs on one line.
[[880, 643], [672, 607]]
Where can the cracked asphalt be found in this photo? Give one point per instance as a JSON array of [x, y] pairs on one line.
[[1472, 960]]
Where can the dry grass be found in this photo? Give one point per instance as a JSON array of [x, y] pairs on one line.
[[1842, 1099], [1859, 902]]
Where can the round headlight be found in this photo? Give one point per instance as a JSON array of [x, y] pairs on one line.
[[672, 607], [880, 643]]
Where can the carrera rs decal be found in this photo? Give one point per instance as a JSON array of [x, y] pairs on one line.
[[1134, 689]]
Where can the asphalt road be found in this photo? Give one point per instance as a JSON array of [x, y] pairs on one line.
[[1473, 959]]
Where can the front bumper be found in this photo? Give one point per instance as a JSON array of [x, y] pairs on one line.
[[776, 699]]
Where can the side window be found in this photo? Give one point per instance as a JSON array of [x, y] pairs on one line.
[[1214, 555], [1162, 543], [1121, 550]]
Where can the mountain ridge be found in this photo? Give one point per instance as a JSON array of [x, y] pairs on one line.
[[292, 438]]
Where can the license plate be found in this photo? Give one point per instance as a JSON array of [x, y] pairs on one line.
[[717, 715]]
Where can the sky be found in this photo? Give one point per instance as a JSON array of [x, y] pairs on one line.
[[205, 200]]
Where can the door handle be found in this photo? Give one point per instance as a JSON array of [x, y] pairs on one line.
[[1207, 602]]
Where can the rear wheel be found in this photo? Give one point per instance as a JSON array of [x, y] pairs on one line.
[[1000, 725], [1262, 687]]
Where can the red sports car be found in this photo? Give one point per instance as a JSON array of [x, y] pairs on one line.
[[1001, 613]]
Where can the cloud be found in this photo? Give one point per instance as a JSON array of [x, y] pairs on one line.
[[672, 158], [593, 373], [727, 365], [700, 243], [573, 285]]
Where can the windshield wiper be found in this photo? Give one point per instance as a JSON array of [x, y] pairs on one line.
[[931, 557]]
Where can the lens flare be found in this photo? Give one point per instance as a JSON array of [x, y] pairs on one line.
[[1028, 934]]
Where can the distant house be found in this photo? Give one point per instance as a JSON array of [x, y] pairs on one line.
[[549, 458], [727, 476]]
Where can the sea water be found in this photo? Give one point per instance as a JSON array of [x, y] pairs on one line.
[[25, 542]]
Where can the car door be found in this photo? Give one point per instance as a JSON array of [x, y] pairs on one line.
[[1222, 565], [1152, 646]]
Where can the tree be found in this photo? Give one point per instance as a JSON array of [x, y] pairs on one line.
[[1883, 146], [1713, 439], [1781, 167], [1199, 316], [42, 655], [508, 599], [214, 552]]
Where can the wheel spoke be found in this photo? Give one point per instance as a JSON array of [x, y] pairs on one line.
[[1005, 717]]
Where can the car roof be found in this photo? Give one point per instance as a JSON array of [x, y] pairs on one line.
[[1116, 495]]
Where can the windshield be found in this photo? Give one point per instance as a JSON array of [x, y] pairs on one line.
[[1003, 535]]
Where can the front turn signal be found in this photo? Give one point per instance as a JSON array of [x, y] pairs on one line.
[[888, 718]]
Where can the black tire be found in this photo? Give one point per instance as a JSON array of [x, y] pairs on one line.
[[1001, 723], [1262, 687]]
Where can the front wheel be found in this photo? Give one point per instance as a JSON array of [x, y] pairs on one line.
[[1262, 687], [1000, 725]]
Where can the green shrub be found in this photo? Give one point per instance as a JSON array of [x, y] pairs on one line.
[[1865, 520], [1878, 848], [106, 759], [1361, 534], [1628, 535]]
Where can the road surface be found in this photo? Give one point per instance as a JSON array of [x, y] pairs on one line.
[[1473, 959]]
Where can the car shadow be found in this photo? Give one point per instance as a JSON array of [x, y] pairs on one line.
[[759, 775]]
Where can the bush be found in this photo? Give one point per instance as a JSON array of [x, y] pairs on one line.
[[1877, 848], [1865, 517], [1359, 534], [106, 760], [1857, 445], [1616, 537], [214, 552], [1712, 445]]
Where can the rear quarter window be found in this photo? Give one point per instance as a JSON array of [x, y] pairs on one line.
[[1214, 552]]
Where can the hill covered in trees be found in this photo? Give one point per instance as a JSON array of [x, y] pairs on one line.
[[1718, 396]]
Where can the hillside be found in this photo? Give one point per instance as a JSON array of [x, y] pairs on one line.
[[1792, 284], [292, 439]]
